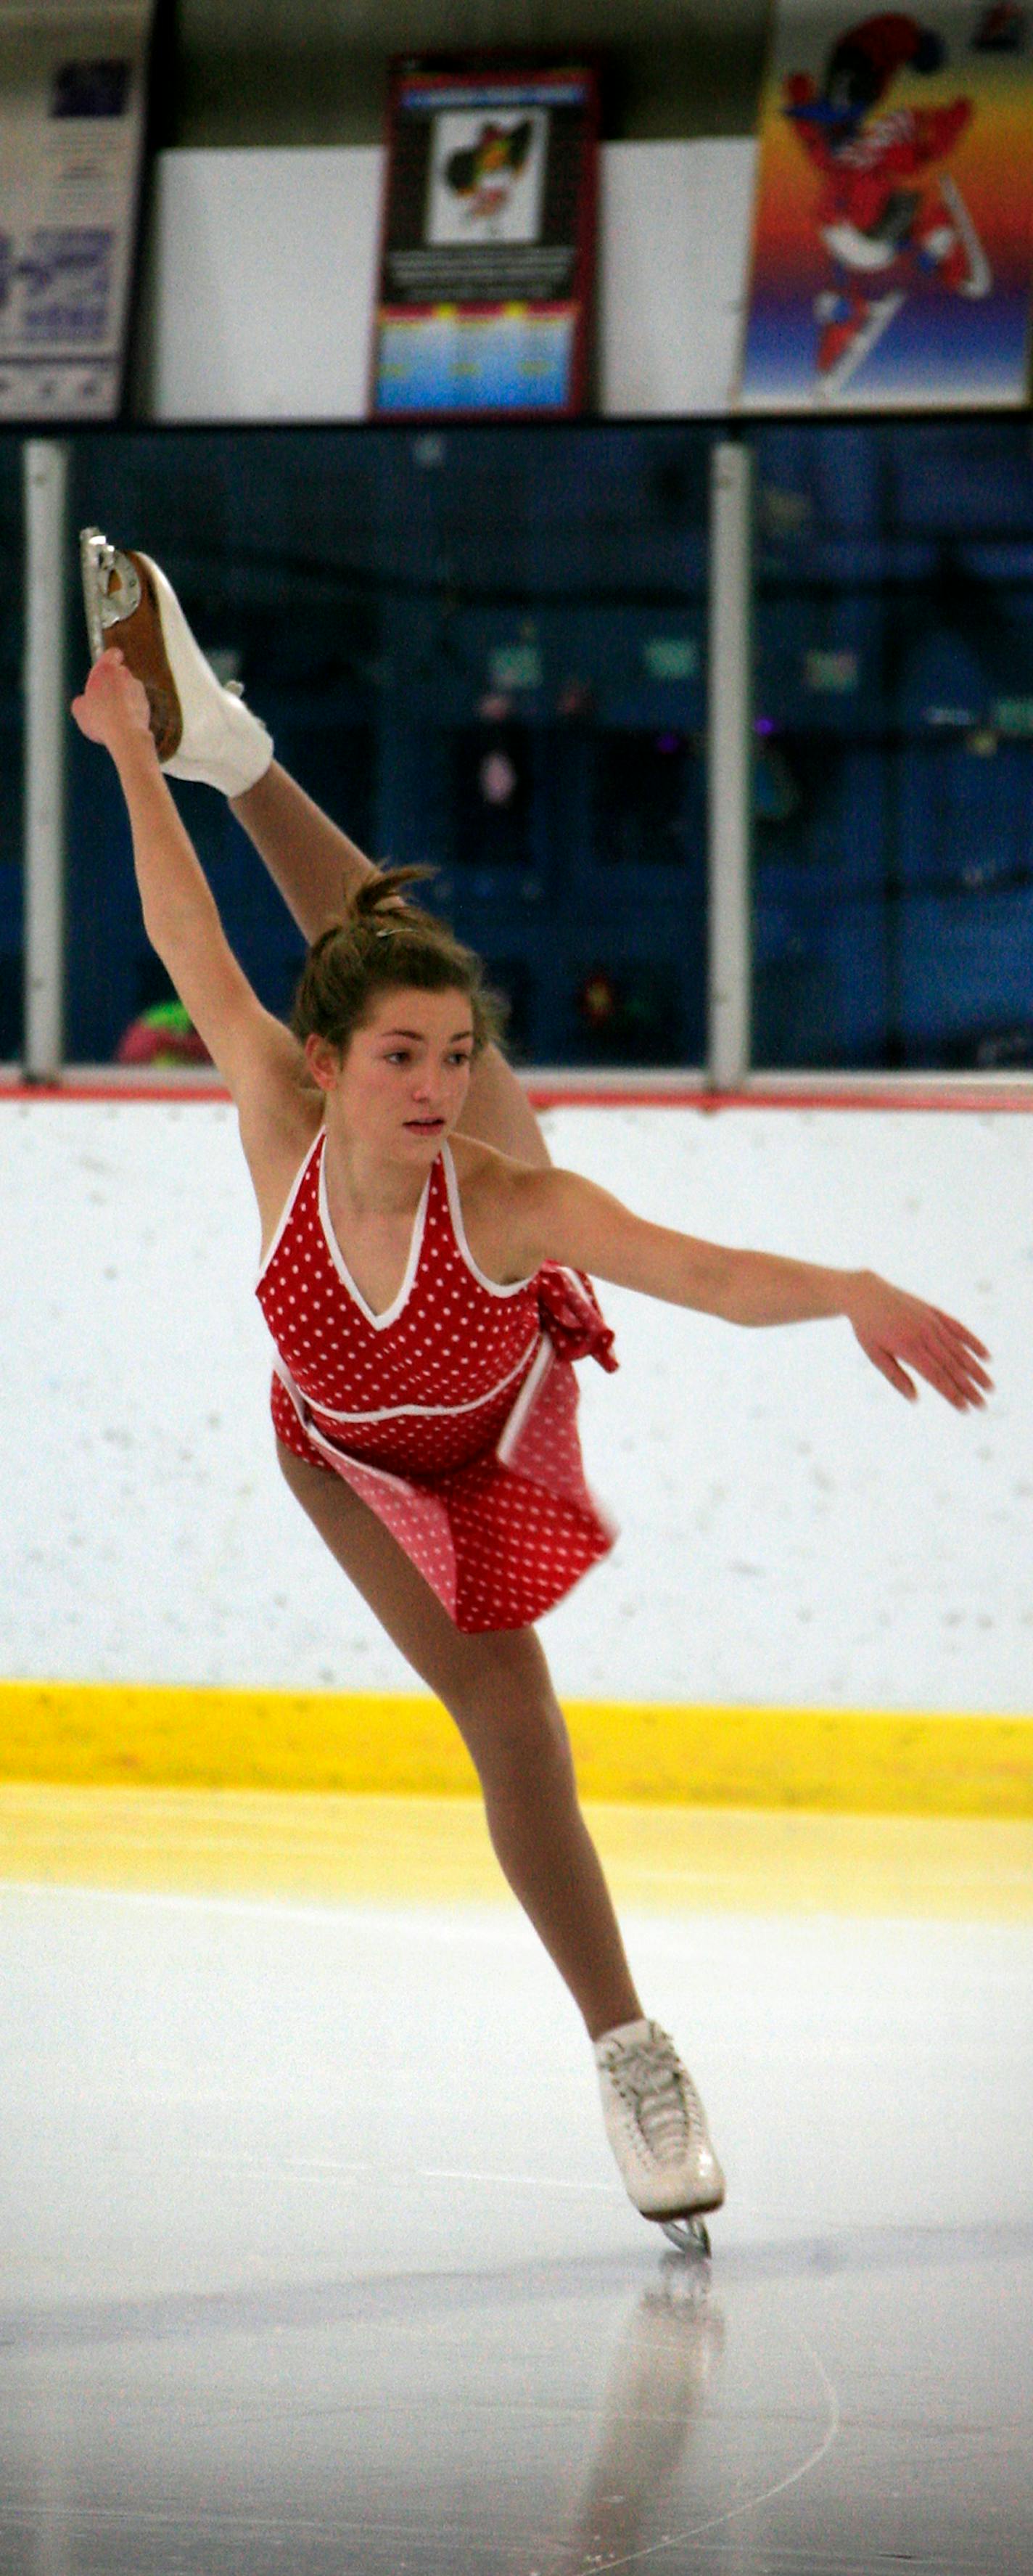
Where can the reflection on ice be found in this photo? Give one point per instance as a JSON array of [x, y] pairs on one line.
[[668, 2351]]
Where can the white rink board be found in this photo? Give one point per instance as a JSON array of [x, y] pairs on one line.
[[792, 1532], [256, 314]]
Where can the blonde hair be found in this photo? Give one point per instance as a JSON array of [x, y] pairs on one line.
[[384, 944]]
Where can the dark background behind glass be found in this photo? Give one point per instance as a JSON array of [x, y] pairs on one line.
[[486, 649], [461, 645], [893, 833]]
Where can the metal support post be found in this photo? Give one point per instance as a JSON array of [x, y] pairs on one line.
[[46, 718], [730, 765]]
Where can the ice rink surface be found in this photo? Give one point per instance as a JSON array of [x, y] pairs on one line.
[[315, 2260]]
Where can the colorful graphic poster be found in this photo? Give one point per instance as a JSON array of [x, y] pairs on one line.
[[893, 227], [487, 254], [72, 112]]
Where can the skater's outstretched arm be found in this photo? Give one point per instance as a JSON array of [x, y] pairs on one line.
[[558, 1216], [317, 868], [259, 1059]]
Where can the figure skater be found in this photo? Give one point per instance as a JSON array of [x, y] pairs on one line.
[[424, 1273]]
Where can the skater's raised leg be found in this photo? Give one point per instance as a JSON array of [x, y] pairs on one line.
[[312, 862], [316, 867]]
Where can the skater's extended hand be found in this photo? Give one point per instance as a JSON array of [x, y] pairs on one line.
[[892, 1327], [113, 707]]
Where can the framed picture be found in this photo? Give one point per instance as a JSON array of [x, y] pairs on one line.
[[487, 257], [73, 99]]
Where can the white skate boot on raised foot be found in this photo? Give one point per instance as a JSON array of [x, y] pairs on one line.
[[201, 729], [656, 2126]]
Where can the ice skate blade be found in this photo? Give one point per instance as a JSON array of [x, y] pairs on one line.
[[111, 587], [120, 599], [690, 2235]]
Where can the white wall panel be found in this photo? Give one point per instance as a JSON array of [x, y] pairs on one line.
[[263, 267], [674, 242], [791, 1530], [261, 279]]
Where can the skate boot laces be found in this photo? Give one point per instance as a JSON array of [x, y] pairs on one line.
[[657, 2096]]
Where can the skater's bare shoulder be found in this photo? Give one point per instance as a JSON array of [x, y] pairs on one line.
[[480, 1166], [517, 1215], [491, 1187]]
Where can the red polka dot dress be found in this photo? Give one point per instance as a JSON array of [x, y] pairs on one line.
[[454, 1413]]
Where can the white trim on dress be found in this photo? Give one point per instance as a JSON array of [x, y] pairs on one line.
[[384, 1475], [390, 1313], [428, 1412], [527, 1398], [288, 1212], [493, 1286]]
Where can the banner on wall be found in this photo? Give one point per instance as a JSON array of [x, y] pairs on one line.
[[73, 82], [488, 243], [893, 225]]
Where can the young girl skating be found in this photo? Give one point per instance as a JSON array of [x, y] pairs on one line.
[[425, 1279]]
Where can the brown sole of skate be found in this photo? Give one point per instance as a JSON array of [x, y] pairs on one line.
[[122, 608]]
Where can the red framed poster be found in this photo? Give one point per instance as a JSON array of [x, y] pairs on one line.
[[487, 254]]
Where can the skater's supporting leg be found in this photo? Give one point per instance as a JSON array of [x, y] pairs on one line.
[[497, 1689], [315, 867]]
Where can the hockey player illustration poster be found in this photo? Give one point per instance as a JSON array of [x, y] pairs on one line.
[[893, 226], [487, 251]]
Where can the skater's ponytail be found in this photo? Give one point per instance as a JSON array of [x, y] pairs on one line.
[[386, 944]]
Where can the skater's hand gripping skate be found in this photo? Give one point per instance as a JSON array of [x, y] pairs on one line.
[[113, 708], [893, 1327]]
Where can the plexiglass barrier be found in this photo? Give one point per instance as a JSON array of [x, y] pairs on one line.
[[486, 650]]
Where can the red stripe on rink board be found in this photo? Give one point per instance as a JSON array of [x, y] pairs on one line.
[[709, 1103], [113, 1091], [894, 1094]]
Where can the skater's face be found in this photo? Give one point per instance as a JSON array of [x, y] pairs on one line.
[[400, 1085]]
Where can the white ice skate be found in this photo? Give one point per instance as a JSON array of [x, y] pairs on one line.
[[201, 729], [656, 2126]]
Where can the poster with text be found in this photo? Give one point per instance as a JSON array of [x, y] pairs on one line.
[[893, 226], [488, 243], [72, 114]]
